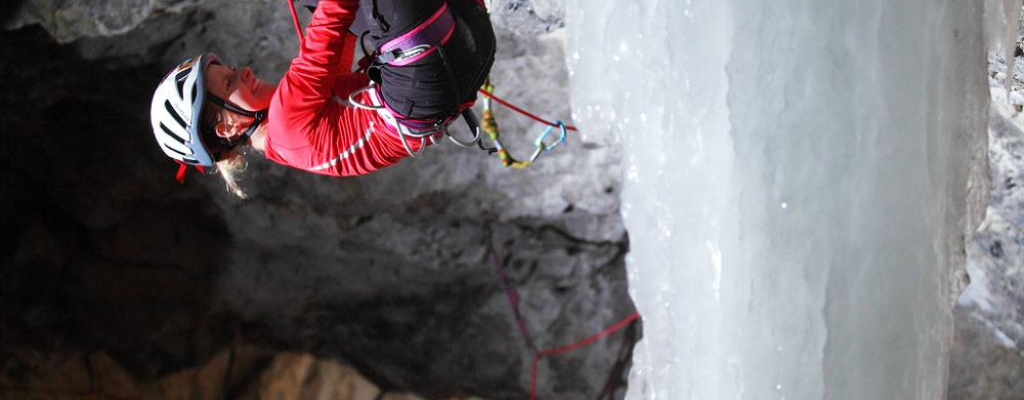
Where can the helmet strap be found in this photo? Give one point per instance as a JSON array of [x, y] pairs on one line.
[[183, 168], [258, 118], [231, 107]]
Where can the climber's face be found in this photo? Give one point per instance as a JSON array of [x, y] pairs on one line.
[[238, 86], [241, 88]]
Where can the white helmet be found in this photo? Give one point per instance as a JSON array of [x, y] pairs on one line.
[[176, 112]]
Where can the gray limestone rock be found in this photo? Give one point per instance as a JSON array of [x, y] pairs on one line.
[[529, 17], [984, 368], [395, 272]]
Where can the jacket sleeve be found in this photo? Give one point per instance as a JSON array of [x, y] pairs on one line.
[[348, 83], [310, 81]]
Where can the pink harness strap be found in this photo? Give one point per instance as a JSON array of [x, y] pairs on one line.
[[421, 40]]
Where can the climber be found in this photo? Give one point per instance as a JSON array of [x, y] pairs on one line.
[[429, 58]]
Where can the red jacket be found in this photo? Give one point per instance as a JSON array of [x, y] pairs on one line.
[[309, 130]]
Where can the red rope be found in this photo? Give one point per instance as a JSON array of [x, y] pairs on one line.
[[295, 19], [614, 380], [524, 112], [513, 300], [564, 349]]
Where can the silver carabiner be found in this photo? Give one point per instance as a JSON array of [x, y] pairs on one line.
[[474, 126], [355, 103]]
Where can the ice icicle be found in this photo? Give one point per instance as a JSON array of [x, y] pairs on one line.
[[795, 186]]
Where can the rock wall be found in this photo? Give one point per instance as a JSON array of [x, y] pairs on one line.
[[988, 353], [241, 372], [393, 273]]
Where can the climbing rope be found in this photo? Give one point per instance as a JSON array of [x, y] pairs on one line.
[[615, 378], [295, 20], [513, 300], [565, 349], [490, 125], [488, 91]]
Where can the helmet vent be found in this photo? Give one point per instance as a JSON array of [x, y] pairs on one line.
[[172, 134], [174, 113], [179, 80], [166, 147]]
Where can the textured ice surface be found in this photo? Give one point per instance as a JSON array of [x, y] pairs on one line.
[[796, 182]]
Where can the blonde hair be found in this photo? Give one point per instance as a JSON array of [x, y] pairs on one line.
[[231, 165], [230, 169]]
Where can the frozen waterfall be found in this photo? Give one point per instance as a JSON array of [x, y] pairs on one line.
[[796, 186]]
